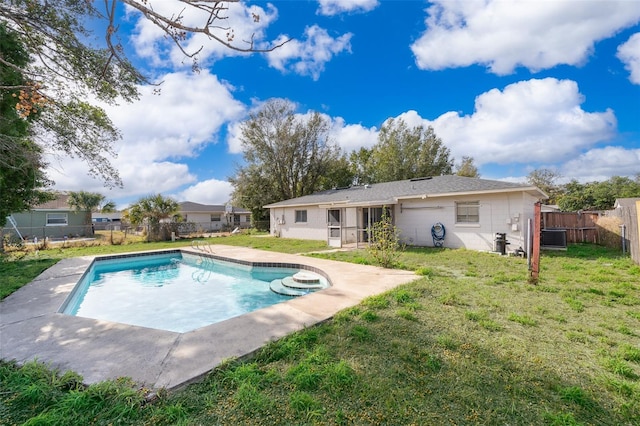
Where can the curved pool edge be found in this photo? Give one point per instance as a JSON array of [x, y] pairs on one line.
[[31, 327]]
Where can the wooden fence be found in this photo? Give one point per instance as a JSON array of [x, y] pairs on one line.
[[580, 227], [628, 212], [604, 228]]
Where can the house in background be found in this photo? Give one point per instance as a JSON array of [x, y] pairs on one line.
[[472, 212], [54, 219], [212, 218], [108, 221]]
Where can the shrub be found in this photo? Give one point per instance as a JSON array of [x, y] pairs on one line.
[[384, 244]]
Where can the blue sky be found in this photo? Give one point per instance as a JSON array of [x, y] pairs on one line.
[[517, 85]]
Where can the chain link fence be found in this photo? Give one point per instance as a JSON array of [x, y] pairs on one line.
[[50, 233], [54, 234]]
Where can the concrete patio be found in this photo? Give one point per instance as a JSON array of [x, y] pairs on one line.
[[31, 327]]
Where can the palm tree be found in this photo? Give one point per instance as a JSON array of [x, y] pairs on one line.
[[154, 210], [85, 201], [108, 207]]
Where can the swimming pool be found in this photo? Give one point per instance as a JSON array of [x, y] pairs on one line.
[[177, 291]]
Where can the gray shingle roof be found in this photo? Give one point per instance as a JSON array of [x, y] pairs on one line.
[[61, 202], [390, 192]]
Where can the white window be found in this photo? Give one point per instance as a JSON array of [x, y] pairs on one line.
[[301, 216], [468, 212], [216, 218], [57, 219]]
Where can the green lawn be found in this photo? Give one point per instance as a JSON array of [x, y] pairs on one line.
[[470, 342]]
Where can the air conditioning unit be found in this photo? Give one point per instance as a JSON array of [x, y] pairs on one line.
[[554, 239]]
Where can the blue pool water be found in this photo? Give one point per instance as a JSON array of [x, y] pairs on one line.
[[175, 291]]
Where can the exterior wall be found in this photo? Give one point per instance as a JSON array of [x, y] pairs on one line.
[[314, 229], [33, 223], [528, 213], [203, 220], [498, 213]]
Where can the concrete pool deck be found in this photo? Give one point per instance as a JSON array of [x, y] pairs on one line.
[[31, 327]]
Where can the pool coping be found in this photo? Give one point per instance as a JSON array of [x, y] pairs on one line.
[[32, 328]]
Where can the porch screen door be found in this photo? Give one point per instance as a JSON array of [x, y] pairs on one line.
[[334, 228]]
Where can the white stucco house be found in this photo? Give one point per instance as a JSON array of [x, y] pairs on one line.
[[213, 217], [471, 210]]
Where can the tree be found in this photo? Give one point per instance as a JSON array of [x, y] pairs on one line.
[[108, 207], [22, 180], [286, 156], [339, 175], [86, 202], [467, 168], [545, 179], [67, 70], [158, 212], [360, 166], [598, 195], [405, 153]]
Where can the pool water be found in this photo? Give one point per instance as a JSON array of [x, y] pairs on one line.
[[175, 291]]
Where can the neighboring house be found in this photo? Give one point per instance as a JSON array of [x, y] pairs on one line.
[[53, 219], [110, 221], [473, 211], [215, 217]]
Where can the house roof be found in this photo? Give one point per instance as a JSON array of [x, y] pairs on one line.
[[190, 207], [626, 202], [61, 202], [392, 192]]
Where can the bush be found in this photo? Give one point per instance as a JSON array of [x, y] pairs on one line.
[[384, 244]]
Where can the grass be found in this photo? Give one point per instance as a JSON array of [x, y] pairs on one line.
[[468, 342]]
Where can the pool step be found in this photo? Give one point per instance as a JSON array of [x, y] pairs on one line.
[[298, 285], [306, 277]]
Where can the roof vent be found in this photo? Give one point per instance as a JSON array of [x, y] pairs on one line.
[[420, 178], [366, 185]]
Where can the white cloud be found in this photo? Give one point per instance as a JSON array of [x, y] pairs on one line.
[[352, 137], [158, 130], [210, 191], [234, 133], [506, 34], [140, 177], [534, 121], [240, 23], [629, 54], [308, 57], [602, 163], [180, 121], [336, 7]]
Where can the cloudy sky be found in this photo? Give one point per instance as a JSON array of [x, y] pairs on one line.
[[517, 85]]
